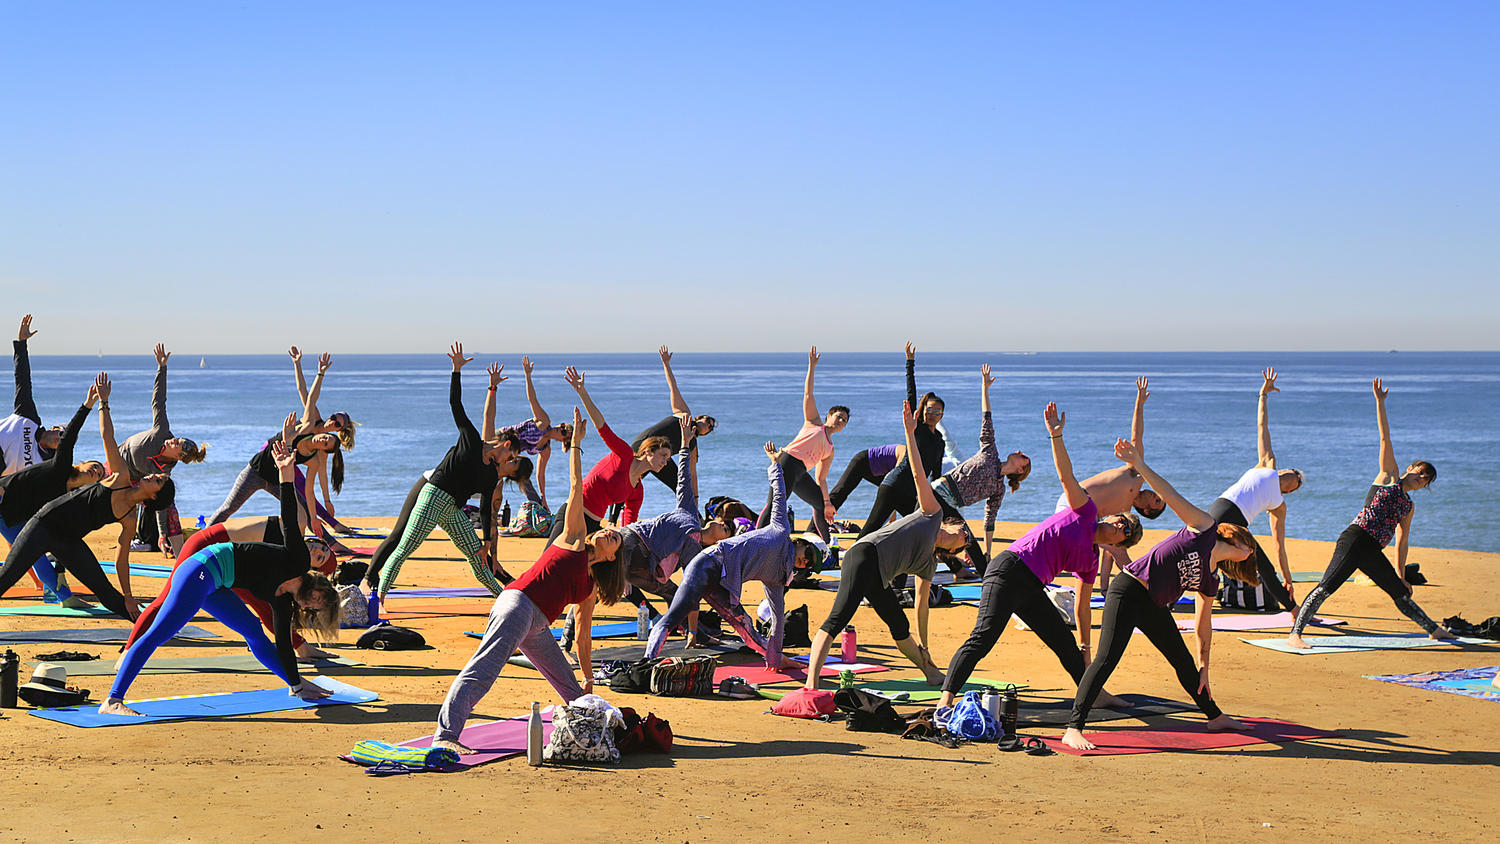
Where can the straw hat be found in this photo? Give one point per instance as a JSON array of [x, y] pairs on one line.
[[48, 677]]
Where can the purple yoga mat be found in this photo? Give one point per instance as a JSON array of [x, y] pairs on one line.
[[495, 740], [456, 592]]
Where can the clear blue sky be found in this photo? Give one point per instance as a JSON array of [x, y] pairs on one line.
[[605, 177]]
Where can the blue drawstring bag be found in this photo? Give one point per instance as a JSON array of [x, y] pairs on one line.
[[971, 721]]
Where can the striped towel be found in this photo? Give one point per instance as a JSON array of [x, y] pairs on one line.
[[428, 758]]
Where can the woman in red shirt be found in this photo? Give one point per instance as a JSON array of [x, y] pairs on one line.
[[580, 567]]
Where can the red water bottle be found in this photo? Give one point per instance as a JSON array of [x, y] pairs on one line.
[[849, 644]]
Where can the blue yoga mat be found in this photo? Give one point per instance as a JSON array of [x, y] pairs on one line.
[[90, 635], [207, 706], [614, 630]]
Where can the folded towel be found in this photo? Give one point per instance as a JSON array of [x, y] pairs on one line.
[[430, 758]]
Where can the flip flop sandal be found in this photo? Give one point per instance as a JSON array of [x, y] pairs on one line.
[[1037, 747], [387, 768]]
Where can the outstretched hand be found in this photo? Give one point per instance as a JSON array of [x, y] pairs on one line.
[[102, 386], [689, 430], [162, 355], [665, 354], [296, 355], [574, 378], [93, 395], [1126, 452], [911, 351], [578, 427], [1269, 373], [25, 333], [1141, 385], [1380, 391], [526, 366], [772, 451], [1055, 419], [813, 356], [325, 360], [289, 426], [282, 454], [908, 421], [496, 379], [456, 354], [985, 377]]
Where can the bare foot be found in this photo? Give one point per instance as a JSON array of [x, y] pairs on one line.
[[309, 653], [1441, 634], [1109, 701], [933, 675], [115, 706], [454, 746], [73, 602], [1296, 641], [1225, 724], [1074, 739]]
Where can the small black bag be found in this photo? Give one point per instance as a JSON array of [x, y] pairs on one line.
[[386, 636], [795, 634], [940, 597], [634, 678], [867, 712], [351, 573]]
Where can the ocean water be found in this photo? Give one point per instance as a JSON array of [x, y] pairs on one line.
[[1200, 420]]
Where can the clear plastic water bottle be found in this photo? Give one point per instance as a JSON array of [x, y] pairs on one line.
[[642, 621], [534, 735], [848, 644]]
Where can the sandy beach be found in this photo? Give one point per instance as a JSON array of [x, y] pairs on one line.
[[1408, 763]]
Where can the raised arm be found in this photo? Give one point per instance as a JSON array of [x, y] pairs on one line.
[[296, 356], [574, 526], [1190, 515], [911, 374], [1077, 495], [687, 496], [779, 515], [1263, 421], [64, 452], [113, 462], [985, 380], [496, 379], [25, 403], [543, 421], [1388, 469], [455, 387], [575, 380], [679, 404], [1138, 417], [310, 401], [809, 406], [159, 390], [925, 497]]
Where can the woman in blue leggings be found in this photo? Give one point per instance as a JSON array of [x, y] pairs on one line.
[[300, 599]]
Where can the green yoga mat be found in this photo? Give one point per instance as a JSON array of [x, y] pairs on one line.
[[916, 689], [233, 663]]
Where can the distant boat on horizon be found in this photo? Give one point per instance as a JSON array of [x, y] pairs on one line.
[[203, 362]]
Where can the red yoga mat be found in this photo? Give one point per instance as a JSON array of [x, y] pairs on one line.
[[1189, 737], [759, 674]]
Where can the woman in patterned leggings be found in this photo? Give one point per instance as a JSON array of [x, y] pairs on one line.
[[471, 467], [1387, 512]]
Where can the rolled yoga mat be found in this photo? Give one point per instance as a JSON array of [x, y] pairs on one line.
[[916, 690], [1189, 737], [191, 707], [91, 635]]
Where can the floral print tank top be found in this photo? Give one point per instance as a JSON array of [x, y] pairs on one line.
[[1385, 507]]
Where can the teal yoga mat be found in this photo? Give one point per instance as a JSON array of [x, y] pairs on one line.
[[191, 707], [1350, 644], [58, 611], [613, 630], [91, 635], [234, 663]]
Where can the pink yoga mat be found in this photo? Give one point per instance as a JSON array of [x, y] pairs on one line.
[[1256, 622], [495, 740], [1189, 737], [759, 674]]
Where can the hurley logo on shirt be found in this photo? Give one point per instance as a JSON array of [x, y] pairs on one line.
[[1189, 571]]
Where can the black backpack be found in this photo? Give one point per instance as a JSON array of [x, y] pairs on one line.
[[386, 636], [633, 677], [795, 634], [865, 712], [1237, 595]]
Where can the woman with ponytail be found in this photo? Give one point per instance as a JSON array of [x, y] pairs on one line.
[[155, 451], [301, 600], [1142, 594], [578, 568]]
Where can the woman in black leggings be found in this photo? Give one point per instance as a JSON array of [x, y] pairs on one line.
[[898, 491], [1141, 597], [1015, 581], [1361, 547], [905, 547], [868, 466], [805, 460], [60, 526]]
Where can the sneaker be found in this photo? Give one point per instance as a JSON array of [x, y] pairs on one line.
[[737, 689], [137, 545]]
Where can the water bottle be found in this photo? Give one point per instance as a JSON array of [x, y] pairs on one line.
[[534, 735], [10, 667], [833, 553], [372, 609], [991, 703], [642, 621], [202, 522], [846, 679], [849, 644], [505, 515], [1010, 710]]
